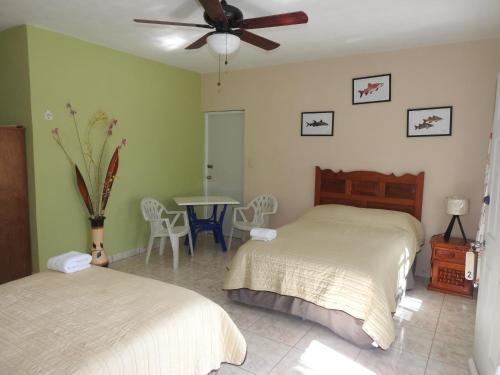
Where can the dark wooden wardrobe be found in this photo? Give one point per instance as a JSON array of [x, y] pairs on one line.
[[15, 255]]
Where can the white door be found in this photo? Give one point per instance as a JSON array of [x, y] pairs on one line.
[[224, 133], [487, 334]]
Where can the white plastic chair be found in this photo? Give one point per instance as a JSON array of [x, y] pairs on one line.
[[161, 227], [262, 206]]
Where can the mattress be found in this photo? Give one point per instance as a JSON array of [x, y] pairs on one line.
[[349, 259], [101, 321]]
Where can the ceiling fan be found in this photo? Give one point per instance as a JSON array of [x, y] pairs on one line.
[[229, 27]]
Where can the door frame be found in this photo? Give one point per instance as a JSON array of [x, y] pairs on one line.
[[205, 152]]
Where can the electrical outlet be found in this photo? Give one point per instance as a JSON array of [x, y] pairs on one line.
[[48, 115]]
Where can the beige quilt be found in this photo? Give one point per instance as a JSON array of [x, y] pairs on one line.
[[338, 257], [100, 321]]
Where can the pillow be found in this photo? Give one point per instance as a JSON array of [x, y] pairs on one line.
[[368, 216]]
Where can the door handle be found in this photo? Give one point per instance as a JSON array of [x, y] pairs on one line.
[[209, 177]]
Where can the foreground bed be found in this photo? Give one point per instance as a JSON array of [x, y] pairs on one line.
[[101, 321], [341, 266]]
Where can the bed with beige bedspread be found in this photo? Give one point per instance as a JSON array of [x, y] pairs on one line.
[[101, 321], [341, 258]]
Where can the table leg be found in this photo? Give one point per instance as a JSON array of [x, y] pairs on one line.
[[192, 225], [214, 223], [220, 222], [215, 231]]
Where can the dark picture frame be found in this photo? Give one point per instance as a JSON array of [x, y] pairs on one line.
[[425, 122], [372, 89], [317, 124]]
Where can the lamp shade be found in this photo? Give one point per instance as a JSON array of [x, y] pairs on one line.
[[457, 206], [223, 43]]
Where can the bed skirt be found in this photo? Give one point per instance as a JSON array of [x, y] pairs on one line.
[[341, 323]]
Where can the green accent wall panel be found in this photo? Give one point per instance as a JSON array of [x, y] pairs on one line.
[[158, 108]]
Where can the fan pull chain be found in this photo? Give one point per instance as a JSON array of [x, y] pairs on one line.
[[218, 82], [225, 62]]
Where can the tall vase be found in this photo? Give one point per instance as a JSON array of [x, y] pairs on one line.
[[99, 257]]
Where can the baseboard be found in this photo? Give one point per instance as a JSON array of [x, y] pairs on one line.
[[133, 252], [125, 254]]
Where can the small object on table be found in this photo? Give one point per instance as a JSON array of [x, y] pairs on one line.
[[214, 222], [456, 206], [448, 266]]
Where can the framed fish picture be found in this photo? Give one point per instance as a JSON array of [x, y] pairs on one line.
[[317, 123], [372, 89], [429, 122]]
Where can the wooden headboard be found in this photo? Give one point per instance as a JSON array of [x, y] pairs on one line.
[[370, 190]]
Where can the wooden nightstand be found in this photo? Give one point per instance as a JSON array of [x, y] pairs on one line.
[[448, 266]]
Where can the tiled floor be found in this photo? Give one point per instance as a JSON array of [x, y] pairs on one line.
[[434, 331]]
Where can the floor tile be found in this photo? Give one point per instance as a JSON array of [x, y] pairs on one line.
[[262, 353], [439, 368], [422, 293], [318, 359], [414, 340], [422, 300], [242, 315], [454, 352], [452, 326], [281, 327], [416, 318], [320, 336], [392, 362], [214, 293], [227, 369], [419, 308], [459, 305]]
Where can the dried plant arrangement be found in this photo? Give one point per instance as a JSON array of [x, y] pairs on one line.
[[95, 186]]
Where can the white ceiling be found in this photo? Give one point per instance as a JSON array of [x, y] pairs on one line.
[[335, 28]]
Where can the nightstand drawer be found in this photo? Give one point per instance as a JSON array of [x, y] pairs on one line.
[[448, 255], [450, 277]]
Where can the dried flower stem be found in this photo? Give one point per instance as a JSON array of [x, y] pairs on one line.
[[59, 142], [99, 168], [87, 167]]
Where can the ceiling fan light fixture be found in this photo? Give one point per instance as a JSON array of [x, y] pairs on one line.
[[223, 43]]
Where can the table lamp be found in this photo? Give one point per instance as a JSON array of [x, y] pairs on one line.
[[456, 206]]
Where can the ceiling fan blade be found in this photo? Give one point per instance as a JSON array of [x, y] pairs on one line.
[[214, 10], [284, 19], [155, 22], [256, 40], [200, 42]]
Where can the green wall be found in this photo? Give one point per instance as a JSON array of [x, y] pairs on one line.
[[14, 77], [15, 105], [159, 112]]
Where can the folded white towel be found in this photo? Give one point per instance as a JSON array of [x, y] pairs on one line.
[[263, 234], [69, 262]]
